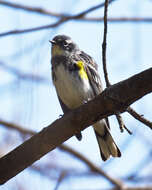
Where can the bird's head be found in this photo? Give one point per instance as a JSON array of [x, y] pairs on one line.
[[62, 45]]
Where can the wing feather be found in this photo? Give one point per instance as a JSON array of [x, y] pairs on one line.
[[91, 69]]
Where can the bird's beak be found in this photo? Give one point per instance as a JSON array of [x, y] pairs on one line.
[[52, 42]]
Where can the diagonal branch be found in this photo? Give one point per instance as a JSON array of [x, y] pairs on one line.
[[59, 22], [44, 12], [139, 117], [22, 31], [114, 99], [48, 13], [92, 167], [79, 17], [67, 149], [31, 9], [135, 20]]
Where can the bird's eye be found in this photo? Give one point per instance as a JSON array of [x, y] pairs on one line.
[[65, 43]]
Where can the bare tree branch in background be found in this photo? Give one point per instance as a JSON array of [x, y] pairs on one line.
[[64, 18], [139, 117], [78, 18], [59, 22], [60, 179], [67, 149], [45, 12], [56, 24], [24, 76], [44, 170]]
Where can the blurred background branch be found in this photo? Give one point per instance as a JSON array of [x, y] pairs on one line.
[[22, 75], [67, 149]]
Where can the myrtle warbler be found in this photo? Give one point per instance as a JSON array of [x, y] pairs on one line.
[[76, 79]]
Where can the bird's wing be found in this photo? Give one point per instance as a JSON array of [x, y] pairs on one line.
[[91, 69]]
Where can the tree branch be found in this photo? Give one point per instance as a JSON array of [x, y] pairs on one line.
[[93, 167], [135, 20], [67, 149], [62, 17], [48, 13], [78, 18], [59, 22], [139, 117], [104, 45], [104, 49], [24, 76], [114, 99]]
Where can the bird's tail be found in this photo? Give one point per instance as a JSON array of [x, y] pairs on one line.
[[106, 143]]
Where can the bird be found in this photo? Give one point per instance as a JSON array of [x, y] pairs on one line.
[[77, 81]]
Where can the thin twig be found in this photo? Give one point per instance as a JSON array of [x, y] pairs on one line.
[[104, 47], [50, 13], [16, 127], [12, 32], [129, 110], [60, 179], [121, 124], [45, 12], [80, 16], [63, 17], [56, 24], [139, 117], [104, 44], [59, 22], [31, 9], [92, 167], [45, 171], [135, 20]]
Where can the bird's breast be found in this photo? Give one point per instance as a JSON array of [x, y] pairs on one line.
[[72, 89]]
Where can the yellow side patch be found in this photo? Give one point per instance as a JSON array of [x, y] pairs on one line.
[[82, 71]]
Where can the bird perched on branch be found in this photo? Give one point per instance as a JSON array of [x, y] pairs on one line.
[[77, 81]]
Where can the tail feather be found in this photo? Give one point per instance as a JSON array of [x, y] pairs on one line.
[[106, 143]]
